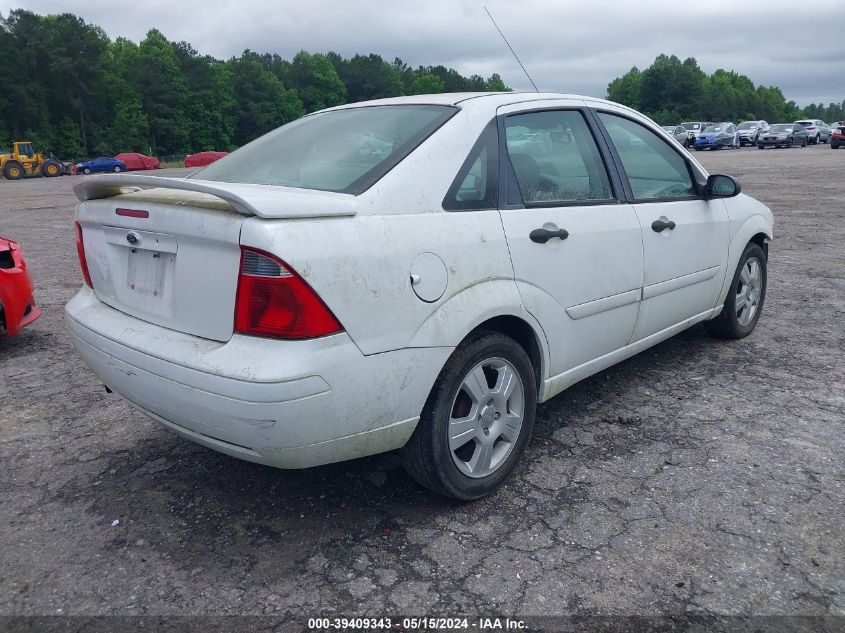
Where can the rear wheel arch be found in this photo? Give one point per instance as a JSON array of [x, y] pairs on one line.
[[523, 333]]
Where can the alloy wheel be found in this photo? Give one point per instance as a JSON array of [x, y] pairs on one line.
[[748, 291], [486, 417]]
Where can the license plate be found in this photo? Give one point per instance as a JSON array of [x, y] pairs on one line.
[[146, 271]]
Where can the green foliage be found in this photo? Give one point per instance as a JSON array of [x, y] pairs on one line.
[[70, 89], [670, 91], [425, 84], [316, 81]]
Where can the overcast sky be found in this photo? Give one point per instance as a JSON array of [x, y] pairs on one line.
[[576, 46]]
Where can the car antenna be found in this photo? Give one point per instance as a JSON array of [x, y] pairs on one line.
[[490, 15]]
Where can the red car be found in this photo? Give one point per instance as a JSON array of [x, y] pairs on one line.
[[837, 137], [17, 302]]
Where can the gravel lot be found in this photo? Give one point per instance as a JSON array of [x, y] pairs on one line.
[[700, 477]]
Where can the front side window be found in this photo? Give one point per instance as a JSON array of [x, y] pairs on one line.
[[654, 169], [344, 150], [554, 159]]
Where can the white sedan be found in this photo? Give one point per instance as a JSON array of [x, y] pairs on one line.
[[413, 273]]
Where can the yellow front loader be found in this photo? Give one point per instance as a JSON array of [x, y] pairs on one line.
[[24, 161]]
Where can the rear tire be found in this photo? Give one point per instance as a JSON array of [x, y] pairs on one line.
[[117, 169], [467, 441], [746, 296], [13, 170]]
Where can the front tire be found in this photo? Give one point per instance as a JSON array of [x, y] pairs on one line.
[[477, 420], [746, 296], [117, 169], [87, 171]]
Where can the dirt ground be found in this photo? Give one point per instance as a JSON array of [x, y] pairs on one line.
[[701, 477]]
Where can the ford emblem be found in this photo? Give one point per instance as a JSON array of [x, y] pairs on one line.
[[133, 238]]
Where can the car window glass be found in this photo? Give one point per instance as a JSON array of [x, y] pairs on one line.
[[654, 169], [554, 159], [344, 150], [476, 186]]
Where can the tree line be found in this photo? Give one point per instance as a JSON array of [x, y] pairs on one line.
[[671, 91], [66, 86]]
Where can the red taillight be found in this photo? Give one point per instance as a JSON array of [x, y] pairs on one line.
[[80, 249], [274, 301], [810, 127]]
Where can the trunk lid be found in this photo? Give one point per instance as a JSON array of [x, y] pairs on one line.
[[171, 255]]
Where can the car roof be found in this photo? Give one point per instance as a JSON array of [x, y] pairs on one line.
[[481, 100]]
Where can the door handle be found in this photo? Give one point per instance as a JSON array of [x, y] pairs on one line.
[[659, 225], [541, 236]]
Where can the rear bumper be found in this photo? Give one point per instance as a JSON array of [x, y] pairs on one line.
[[776, 142], [289, 404]]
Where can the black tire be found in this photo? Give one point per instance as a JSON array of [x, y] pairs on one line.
[[727, 324], [51, 169], [804, 143], [427, 456], [13, 170], [834, 146]]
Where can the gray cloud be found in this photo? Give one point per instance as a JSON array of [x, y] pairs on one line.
[[572, 47]]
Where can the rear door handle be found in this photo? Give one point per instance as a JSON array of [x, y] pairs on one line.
[[541, 236], [659, 225]]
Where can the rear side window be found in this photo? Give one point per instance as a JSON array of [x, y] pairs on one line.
[[342, 150], [554, 159], [655, 170], [477, 183]]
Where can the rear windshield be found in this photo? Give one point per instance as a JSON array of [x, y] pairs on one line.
[[718, 127], [781, 127], [691, 126], [342, 150], [747, 125]]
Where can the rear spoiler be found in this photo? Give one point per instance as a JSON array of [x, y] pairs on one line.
[[264, 201]]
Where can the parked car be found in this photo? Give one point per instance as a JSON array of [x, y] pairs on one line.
[[837, 136], [817, 130], [784, 135], [694, 128], [341, 302], [717, 136], [201, 159], [138, 162], [749, 131], [678, 132], [17, 299], [99, 165]]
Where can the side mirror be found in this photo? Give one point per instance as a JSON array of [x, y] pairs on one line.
[[719, 186]]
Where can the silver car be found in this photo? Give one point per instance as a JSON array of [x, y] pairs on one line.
[[817, 129], [694, 128], [750, 131], [678, 132]]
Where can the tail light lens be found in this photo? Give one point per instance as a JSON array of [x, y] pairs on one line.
[[80, 249], [274, 301]]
